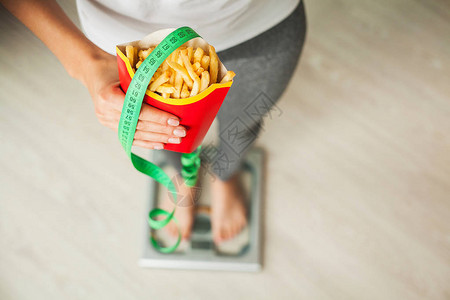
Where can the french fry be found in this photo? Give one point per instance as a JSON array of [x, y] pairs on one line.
[[140, 54], [195, 66], [174, 56], [195, 87], [138, 64], [165, 88], [190, 52], [172, 77], [178, 85], [188, 66], [131, 53], [205, 62], [165, 65], [179, 60], [198, 55], [214, 64], [199, 71], [159, 70], [144, 53], [184, 91], [165, 95], [163, 78], [157, 74], [182, 71], [228, 77], [204, 81]]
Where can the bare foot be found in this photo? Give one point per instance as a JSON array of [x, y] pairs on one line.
[[228, 212], [185, 206]]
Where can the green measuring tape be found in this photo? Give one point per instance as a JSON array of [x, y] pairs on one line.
[[129, 119]]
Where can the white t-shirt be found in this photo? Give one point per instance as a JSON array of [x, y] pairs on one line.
[[222, 23]]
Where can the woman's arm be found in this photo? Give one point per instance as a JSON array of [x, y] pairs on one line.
[[95, 68], [51, 25]]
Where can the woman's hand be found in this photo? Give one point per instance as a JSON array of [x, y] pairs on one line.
[[154, 128]]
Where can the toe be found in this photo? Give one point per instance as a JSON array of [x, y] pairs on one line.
[[186, 234], [228, 233], [231, 231], [222, 234], [216, 235]]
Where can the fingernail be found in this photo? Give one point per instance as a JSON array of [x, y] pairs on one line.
[[173, 122], [158, 147], [174, 140], [179, 132]]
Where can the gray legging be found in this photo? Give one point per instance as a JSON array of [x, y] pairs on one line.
[[264, 66]]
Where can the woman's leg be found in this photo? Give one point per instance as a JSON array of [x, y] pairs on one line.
[[264, 66]]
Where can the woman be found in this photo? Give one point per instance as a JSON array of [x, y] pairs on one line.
[[261, 40]]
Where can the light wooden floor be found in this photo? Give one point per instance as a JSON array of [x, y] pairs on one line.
[[358, 193]]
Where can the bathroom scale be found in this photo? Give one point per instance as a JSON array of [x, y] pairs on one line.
[[241, 253]]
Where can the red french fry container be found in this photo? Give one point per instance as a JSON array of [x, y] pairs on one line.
[[195, 113]]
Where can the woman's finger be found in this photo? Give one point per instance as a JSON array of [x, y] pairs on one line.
[[112, 121], [160, 128], [148, 145], [156, 137]]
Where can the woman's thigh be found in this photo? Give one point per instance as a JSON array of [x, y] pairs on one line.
[[264, 66]]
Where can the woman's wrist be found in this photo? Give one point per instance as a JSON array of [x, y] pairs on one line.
[[88, 61]]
